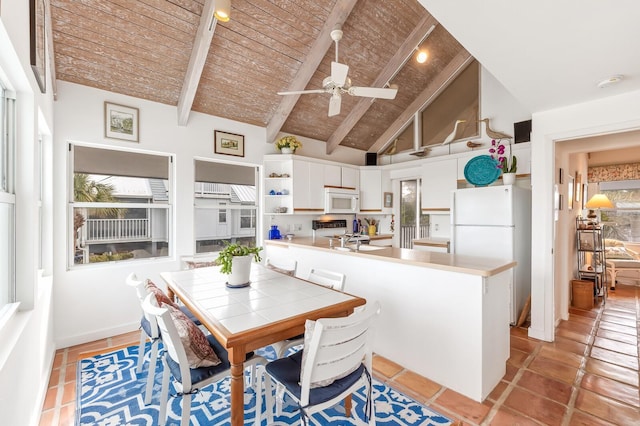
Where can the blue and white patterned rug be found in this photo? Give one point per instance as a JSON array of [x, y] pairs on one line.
[[110, 393]]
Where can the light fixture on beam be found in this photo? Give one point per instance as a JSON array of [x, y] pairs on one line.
[[222, 10], [422, 56]]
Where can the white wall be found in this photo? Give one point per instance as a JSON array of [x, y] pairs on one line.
[[610, 115], [26, 335]]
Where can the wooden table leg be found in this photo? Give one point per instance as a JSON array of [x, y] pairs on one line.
[[236, 358], [347, 406]]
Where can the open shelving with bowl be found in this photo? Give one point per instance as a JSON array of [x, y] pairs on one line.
[[278, 186]]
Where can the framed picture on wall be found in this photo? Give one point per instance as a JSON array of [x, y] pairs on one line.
[[571, 186], [228, 143], [388, 199], [120, 122]]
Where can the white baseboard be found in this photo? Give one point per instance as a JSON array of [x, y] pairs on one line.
[[97, 335]]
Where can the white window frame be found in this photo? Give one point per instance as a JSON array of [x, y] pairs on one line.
[[72, 205], [7, 195]]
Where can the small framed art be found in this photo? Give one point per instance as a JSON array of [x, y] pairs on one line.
[[120, 122], [388, 199], [228, 143]]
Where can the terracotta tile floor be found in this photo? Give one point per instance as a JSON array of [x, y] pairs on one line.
[[588, 376]]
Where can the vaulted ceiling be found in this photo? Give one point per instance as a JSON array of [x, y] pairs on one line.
[[173, 52]]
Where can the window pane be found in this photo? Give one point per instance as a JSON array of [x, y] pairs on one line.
[[224, 213], [623, 222], [459, 101], [6, 253], [108, 234], [133, 218]]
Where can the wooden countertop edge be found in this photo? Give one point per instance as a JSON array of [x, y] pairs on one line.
[[391, 254]]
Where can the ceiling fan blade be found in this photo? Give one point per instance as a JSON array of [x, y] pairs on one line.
[[334, 105], [303, 92], [373, 92], [339, 73]]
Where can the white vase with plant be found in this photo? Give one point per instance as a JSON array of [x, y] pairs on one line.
[[507, 163], [235, 260], [288, 144]]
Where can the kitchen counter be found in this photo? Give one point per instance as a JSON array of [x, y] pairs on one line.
[[457, 306], [432, 242], [444, 261]]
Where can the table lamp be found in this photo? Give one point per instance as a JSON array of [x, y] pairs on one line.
[[598, 201]]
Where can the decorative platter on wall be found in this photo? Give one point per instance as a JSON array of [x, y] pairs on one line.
[[481, 170]]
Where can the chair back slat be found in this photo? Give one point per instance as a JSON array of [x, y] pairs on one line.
[[171, 340], [338, 345], [142, 293], [284, 266], [335, 280]]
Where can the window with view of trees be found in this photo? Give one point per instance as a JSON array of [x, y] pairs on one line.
[[121, 205], [225, 205]]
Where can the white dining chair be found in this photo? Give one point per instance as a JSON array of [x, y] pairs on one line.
[[149, 330], [282, 265], [187, 380], [335, 362], [331, 279]]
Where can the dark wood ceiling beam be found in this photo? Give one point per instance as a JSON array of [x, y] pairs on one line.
[[389, 71], [197, 60], [453, 68], [318, 50]]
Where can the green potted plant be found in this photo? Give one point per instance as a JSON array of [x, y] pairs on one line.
[[235, 260]]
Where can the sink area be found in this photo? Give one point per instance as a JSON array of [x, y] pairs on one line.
[[365, 247]]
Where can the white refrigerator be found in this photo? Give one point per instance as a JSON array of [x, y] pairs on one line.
[[495, 222]]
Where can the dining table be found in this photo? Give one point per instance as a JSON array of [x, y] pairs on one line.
[[272, 307]]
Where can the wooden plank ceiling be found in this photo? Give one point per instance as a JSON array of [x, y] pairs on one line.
[[143, 48]]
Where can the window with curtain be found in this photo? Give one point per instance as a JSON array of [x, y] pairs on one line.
[[225, 205], [120, 205], [7, 198]]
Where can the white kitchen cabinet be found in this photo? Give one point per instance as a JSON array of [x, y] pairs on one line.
[[439, 178], [332, 175], [341, 176], [308, 187], [350, 177], [370, 190]]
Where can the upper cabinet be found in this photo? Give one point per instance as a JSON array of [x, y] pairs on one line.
[[439, 178], [370, 190], [308, 188], [337, 176], [295, 184], [350, 177]]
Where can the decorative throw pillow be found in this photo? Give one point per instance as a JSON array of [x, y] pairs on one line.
[[309, 327], [161, 296], [619, 253], [199, 352]]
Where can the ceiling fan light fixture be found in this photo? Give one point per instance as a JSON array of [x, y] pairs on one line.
[[222, 11], [422, 56]]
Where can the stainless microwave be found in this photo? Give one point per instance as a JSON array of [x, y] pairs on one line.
[[341, 200]]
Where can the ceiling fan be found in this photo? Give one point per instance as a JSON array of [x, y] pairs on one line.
[[338, 83]]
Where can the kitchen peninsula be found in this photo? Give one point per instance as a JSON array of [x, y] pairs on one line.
[[444, 316]]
